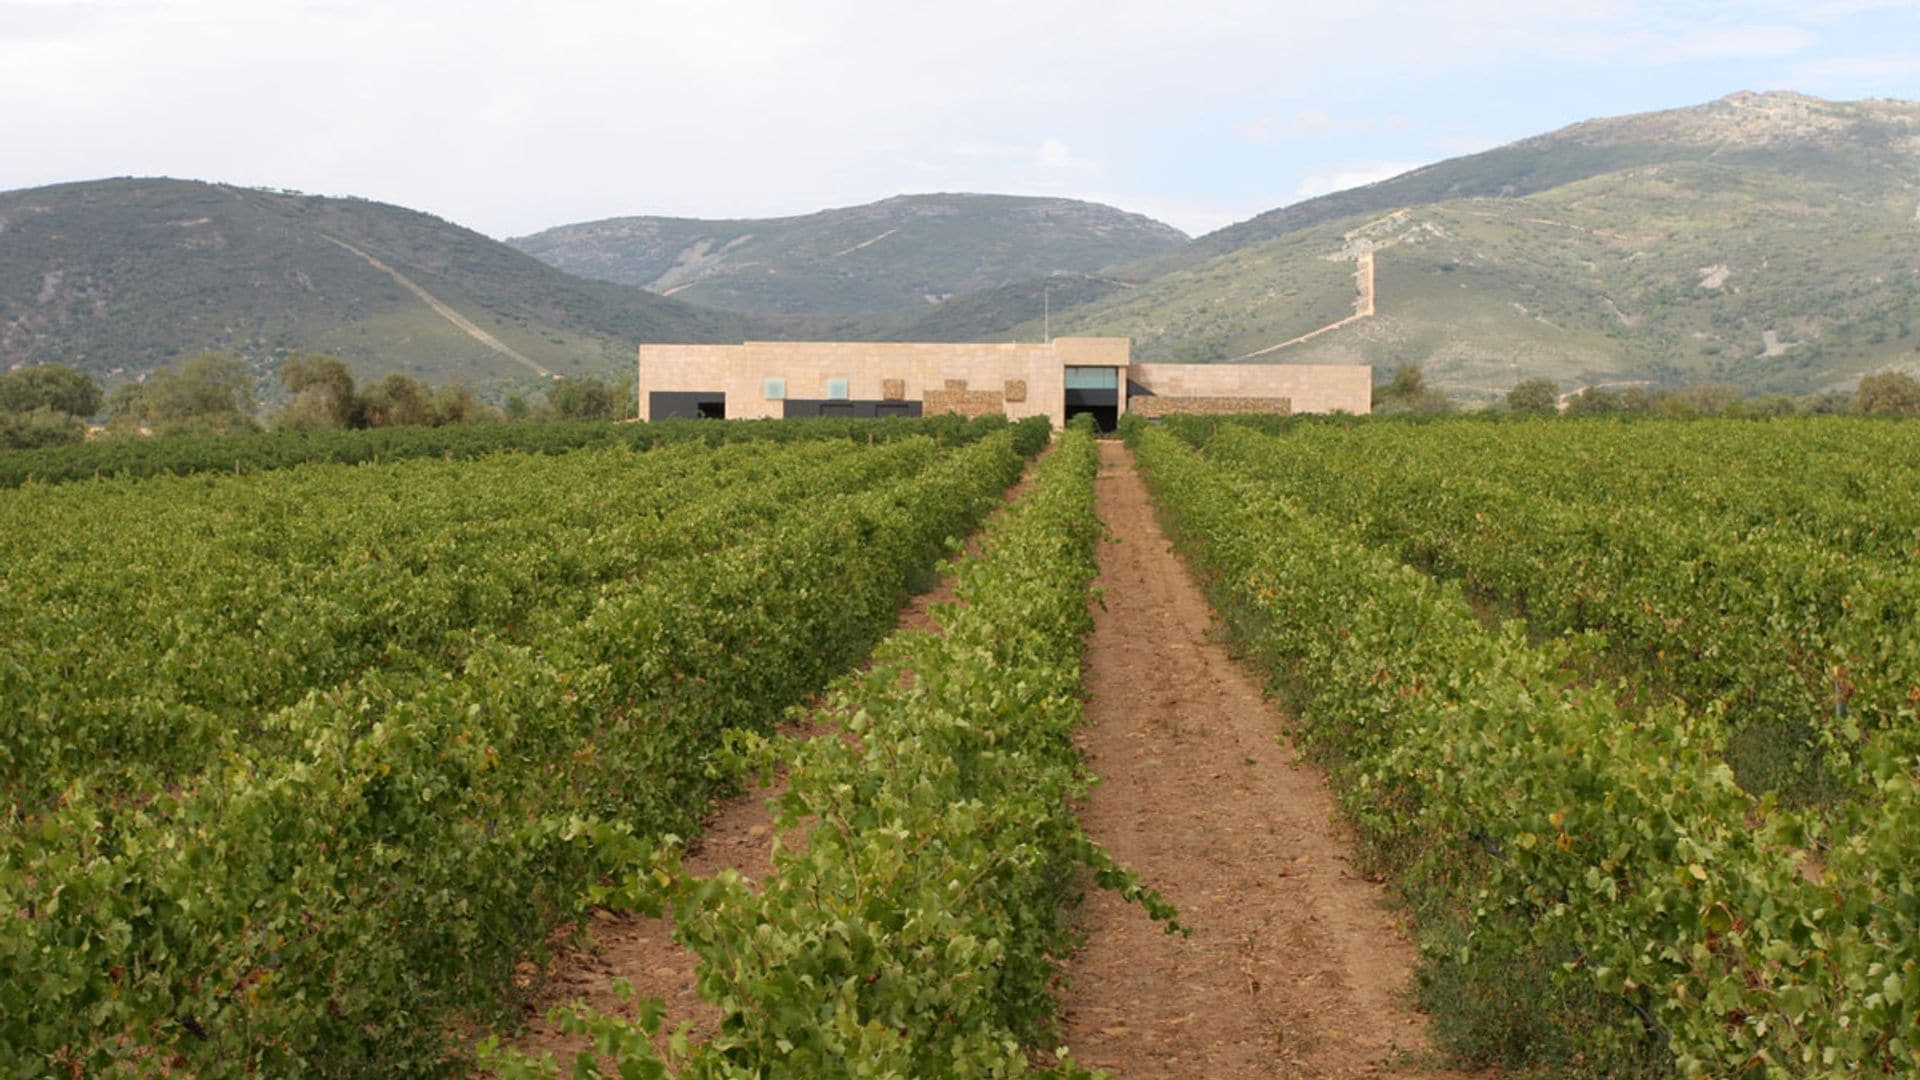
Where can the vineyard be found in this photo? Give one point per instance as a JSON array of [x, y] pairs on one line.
[[180, 455], [299, 764], [1629, 710], [312, 751]]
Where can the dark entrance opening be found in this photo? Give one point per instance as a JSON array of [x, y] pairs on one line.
[[686, 405], [1094, 391], [1102, 405], [1105, 417], [856, 409]]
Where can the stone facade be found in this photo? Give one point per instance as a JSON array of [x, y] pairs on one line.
[[739, 372], [968, 403], [1169, 406], [1308, 388], [758, 378]]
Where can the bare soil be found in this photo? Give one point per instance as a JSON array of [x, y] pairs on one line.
[[737, 835], [1296, 965]]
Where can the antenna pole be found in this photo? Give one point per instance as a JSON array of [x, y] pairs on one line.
[[1046, 309]]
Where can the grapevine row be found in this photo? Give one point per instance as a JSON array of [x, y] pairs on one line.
[[338, 909], [184, 455], [915, 931], [1798, 641], [196, 606], [1587, 876]]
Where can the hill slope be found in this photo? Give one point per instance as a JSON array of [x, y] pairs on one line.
[[899, 254], [120, 276], [1769, 240]]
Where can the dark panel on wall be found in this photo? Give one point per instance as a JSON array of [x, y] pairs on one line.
[[684, 404], [1105, 417], [1092, 398], [801, 408]]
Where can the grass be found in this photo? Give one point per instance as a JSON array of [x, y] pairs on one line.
[[1581, 263], [119, 276], [897, 255]]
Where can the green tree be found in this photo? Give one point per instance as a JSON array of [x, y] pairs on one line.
[[581, 399], [626, 404], [1887, 393], [397, 400], [1593, 401], [323, 393], [1713, 399], [43, 426], [457, 404], [1826, 403], [57, 387], [209, 394], [1539, 396], [1407, 391]]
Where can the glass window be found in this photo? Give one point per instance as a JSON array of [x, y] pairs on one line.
[[836, 389], [773, 389], [1093, 378]]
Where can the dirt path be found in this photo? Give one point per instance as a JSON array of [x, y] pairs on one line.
[[440, 308], [1295, 967], [1360, 246]]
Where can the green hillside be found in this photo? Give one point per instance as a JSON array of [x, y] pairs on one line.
[[1767, 240], [900, 254], [1771, 241], [120, 276]]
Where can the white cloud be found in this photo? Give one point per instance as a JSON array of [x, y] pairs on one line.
[[1316, 123], [512, 116], [1054, 155], [1310, 124], [1833, 10], [1855, 68], [1191, 216], [1735, 42], [1458, 145], [1352, 176], [1257, 129]]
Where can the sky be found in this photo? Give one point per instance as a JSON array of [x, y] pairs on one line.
[[510, 116]]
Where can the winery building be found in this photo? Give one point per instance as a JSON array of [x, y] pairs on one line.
[[1057, 379]]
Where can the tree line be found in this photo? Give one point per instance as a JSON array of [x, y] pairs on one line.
[[214, 394], [1886, 393]]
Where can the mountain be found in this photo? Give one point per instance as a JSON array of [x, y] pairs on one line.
[[1767, 240], [120, 276], [898, 254]]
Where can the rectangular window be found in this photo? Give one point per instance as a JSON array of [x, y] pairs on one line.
[[1093, 378], [773, 389], [836, 389]]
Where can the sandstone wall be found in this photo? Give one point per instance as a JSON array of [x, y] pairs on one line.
[[1168, 406], [1308, 388], [1026, 378]]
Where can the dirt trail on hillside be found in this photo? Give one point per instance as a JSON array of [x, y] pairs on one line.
[[1295, 966], [441, 308], [738, 834]]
